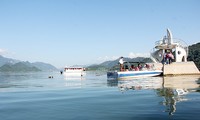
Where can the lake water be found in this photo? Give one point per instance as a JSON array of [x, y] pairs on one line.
[[33, 96]]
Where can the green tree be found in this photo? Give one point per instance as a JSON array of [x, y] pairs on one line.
[[194, 54]]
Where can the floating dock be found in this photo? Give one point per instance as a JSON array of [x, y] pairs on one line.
[[180, 68]]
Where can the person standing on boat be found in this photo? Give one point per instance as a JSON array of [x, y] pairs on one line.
[[171, 57], [121, 62]]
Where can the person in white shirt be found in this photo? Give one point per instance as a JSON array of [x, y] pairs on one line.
[[121, 62]]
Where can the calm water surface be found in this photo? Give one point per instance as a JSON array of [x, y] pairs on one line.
[[33, 96]]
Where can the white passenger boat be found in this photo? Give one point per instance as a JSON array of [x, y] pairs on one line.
[[134, 69], [132, 74], [74, 71]]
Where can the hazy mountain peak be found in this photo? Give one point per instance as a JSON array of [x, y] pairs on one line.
[[12, 65]]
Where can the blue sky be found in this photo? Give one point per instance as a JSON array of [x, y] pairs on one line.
[[70, 32]]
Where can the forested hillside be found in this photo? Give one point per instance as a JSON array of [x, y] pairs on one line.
[[194, 54]]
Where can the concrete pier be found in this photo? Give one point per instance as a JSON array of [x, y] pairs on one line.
[[180, 68]]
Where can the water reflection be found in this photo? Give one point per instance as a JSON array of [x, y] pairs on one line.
[[73, 80], [112, 83], [16, 80], [173, 89], [137, 83]]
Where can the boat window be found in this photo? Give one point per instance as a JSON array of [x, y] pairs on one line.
[[179, 52]]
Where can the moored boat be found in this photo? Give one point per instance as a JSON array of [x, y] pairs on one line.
[[74, 71], [132, 74], [130, 71], [169, 56]]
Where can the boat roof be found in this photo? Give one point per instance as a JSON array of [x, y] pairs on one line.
[[74, 67], [133, 62]]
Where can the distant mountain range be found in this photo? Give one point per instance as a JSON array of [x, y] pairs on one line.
[[115, 63], [19, 67], [13, 65], [4, 61]]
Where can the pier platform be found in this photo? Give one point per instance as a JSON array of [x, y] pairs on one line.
[[180, 68]]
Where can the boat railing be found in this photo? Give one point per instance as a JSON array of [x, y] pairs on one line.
[[139, 66], [176, 41], [183, 44], [159, 42]]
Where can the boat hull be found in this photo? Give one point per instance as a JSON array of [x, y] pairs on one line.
[[81, 73], [132, 74]]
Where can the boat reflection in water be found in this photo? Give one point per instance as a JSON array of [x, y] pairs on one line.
[[74, 80], [173, 89], [139, 84], [74, 77]]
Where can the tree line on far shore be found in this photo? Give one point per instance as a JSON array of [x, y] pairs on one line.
[[194, 54]]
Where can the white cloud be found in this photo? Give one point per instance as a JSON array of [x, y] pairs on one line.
[[131, 55], [107, 58], [134, 55], [2, 51]]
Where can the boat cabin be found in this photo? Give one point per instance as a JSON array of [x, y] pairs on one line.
[[168, 45]]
